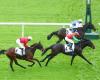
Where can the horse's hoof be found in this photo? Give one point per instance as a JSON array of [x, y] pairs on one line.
[[46, 65], [41, 66], [91, 64], [41, 61], [24, 67], [29, 65], [13, 70]]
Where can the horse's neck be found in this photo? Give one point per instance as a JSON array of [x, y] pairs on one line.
[[85, 28], [33, 49], [83, 45]]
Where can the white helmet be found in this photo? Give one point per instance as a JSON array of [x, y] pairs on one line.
[[29, 37]]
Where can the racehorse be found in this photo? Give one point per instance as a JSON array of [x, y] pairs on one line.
[[62, 32], [10, 53], [60, 48]]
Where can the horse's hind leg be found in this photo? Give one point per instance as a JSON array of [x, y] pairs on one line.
[[11, 64], [84, 58], [18, 64]]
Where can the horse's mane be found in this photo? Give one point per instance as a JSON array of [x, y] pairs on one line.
[[33, 44], [82, 41]]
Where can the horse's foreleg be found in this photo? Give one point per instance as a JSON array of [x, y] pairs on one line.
[[31, 64], [81, 55], [72, 59], [45, 58], [37, 61], [50, 35], [48, 60], [30, 60], [59, 40]]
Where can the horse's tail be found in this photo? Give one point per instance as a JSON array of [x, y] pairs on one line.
[[2, 51], [50, 35], [50, 47]]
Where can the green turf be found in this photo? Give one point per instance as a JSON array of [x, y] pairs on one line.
[[59, 68], [46, 11]]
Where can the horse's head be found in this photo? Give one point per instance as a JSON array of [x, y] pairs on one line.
[[89, 26], [87, 42], [38, 46]]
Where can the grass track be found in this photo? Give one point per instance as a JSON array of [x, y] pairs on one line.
[[47, 11], [58, 69]]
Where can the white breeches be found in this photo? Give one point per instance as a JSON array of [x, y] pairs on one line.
[[68, 31], [20, 44], [70, 41]]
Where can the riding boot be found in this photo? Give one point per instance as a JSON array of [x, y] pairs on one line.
[[72, 51], [70, 46], [22, 51]]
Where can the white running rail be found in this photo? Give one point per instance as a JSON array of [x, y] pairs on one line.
[[33, 24]]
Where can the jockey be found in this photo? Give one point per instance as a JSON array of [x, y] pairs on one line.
[[22, 42], [70, 38], [76, 24]]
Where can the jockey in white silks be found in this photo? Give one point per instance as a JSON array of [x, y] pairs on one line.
[[72, 34], [70, 38], [74, 25]]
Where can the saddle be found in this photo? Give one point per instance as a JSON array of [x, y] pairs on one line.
[[19, 51]]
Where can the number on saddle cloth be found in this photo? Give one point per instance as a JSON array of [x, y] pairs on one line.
[[19, 51], [68, 47]]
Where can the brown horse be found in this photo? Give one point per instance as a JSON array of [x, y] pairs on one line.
[[10, 53], [62, 32]]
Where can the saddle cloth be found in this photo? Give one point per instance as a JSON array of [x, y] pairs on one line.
[[19, 51], [67, 48]]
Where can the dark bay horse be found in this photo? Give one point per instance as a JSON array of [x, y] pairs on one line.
[[60, 48], [10, 53], [62, 32]]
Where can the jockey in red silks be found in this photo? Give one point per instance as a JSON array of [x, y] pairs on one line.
[[22, 42], [70, 37]]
